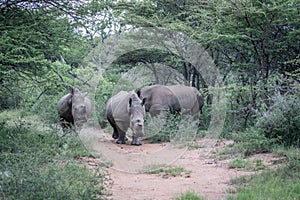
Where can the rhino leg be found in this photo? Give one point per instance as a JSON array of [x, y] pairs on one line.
[[135, 141], [115, 134], [121, 138], [112, 122]]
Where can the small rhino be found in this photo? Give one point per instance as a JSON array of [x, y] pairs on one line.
[[74, 108], [125, 110]]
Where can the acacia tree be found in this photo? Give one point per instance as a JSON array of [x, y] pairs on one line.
[[253, 43], [34, 35]]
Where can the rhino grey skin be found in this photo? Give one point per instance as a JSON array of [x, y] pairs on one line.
[[74, 108], [125, 110], [191, 101], [158, 99]]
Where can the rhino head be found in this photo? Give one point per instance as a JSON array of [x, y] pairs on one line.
[[136, 110], [79, 109]]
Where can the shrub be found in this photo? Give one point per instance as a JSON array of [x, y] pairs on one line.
[[251, 142], [104, 92], [40, 165], [282, 121]]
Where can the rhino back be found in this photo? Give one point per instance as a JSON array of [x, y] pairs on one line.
[[64, 108], [187, 96], [160, 95], [117, 109]]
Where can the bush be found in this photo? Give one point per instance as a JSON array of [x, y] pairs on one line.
[[251, 142], [282, 121], [41, 165]]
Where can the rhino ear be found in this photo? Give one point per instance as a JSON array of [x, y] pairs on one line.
[[130, 102], [72, 90], [144, 101], [138, 93], [70, 101]]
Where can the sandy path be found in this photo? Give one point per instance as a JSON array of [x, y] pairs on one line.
[[209, 177]]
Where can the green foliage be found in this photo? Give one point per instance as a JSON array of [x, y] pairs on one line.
[[239, 115], [282, 121], [162, 132], [251, 142], [41, 49], [278, 184], [189, 195], [104, 92], [291, 157], [40, 165], [170, 171], [246, 164], [241, 180], [240, 163], [205, 117]]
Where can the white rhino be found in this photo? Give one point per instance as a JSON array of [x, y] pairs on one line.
[[74, 108], [191, 101], [125, 110], [159, 99]]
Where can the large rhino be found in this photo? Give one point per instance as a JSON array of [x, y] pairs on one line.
[[125, 110], [74, 108], [159, 99], [191, 101]]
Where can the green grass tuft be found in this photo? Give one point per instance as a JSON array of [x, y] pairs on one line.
[[246, 164], [189, 195], [171, 171]]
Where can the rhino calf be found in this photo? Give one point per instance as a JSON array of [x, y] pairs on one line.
[[125, 110], [74, 108]]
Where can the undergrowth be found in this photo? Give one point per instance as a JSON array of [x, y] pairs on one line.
[[189, 195], [282, 183], [38, 164]]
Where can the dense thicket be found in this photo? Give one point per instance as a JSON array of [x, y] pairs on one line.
[[36, 35], [255, 45]]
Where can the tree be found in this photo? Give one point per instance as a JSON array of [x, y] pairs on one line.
[[253, 43], [36, 34]]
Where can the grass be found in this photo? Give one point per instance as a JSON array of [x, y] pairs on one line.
[[281, 183], [240, 163], [169, 171], [189, 195], [246, 164], [37, 164]]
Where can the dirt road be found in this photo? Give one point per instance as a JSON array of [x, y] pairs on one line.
[[208, 175]]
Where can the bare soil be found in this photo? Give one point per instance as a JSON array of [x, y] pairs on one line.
[[209, 176]]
